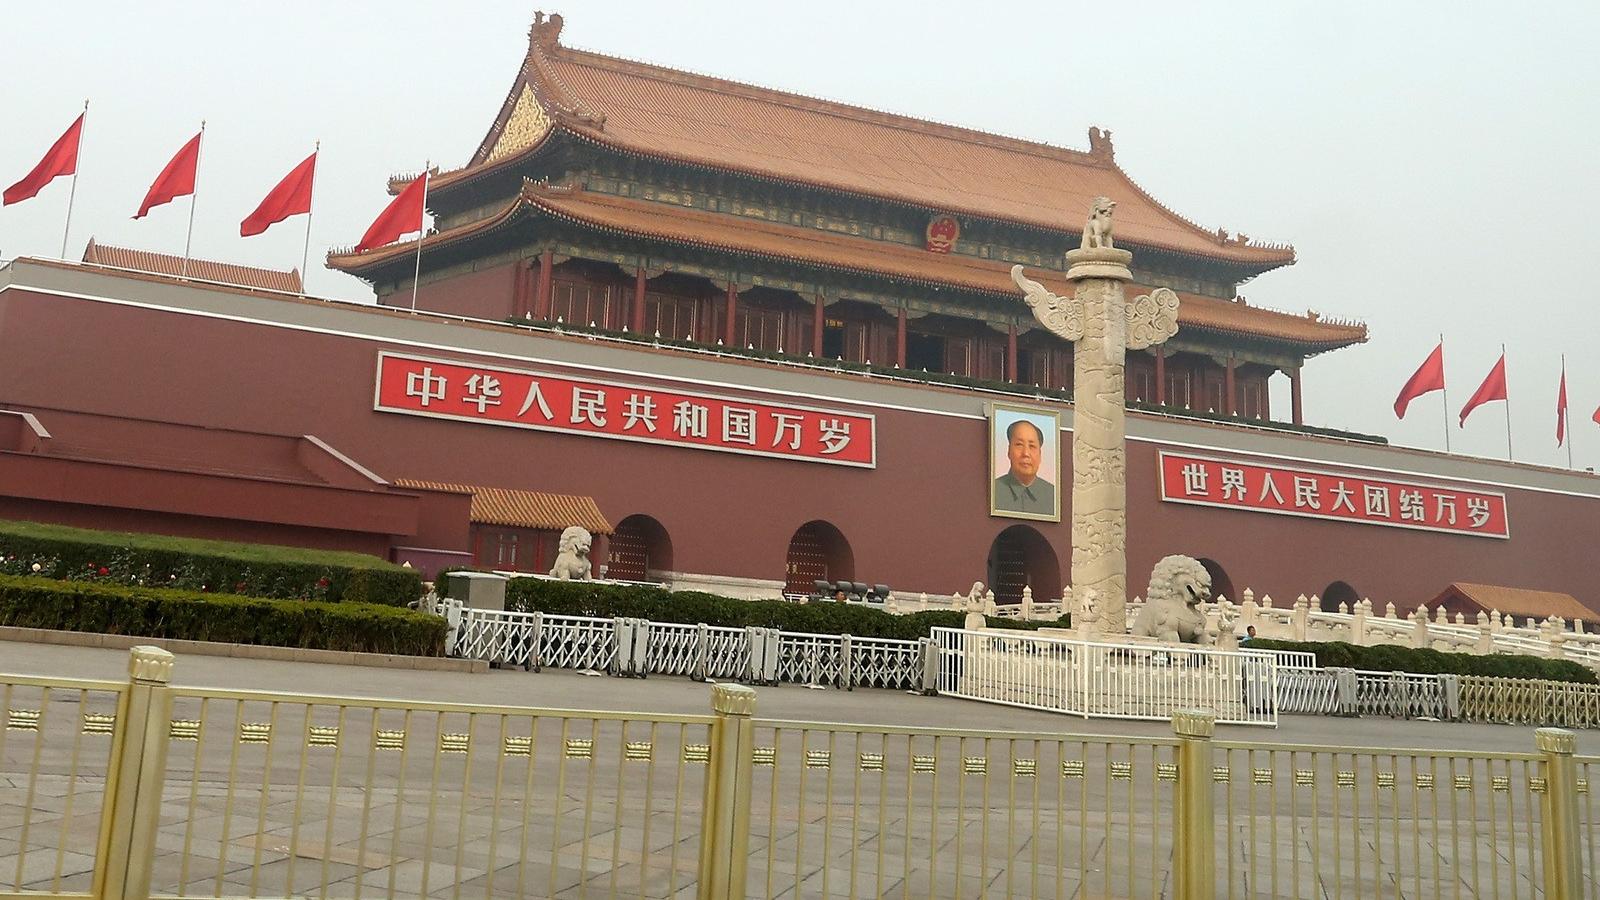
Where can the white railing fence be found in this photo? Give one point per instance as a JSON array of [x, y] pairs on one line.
[[1112, 680], [1359, 623]]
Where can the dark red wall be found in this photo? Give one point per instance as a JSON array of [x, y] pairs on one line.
[[917, 522], [221, 529], [485, 294]]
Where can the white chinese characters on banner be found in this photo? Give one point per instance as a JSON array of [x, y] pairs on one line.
[[1259, 487], [452, 389]]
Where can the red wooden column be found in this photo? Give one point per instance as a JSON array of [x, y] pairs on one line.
[[1011, 353], [1227, 389], [817, 317], [541, 298], [520, 300], [900, 338], [1294, 395], [1161, 375], [638, 301], [730, 317]]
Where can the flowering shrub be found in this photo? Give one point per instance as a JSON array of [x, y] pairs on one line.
[[256, 570]]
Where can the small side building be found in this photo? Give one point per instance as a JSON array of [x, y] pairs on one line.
[[519, 531], [1469, 599]]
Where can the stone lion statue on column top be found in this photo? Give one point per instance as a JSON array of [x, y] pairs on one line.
[[572, 556], [1174, 604], [1097, 231]]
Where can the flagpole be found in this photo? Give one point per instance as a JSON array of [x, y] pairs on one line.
[[1566, 418], [72, 193], [1508, 406], [305, 255], [422, 225], [189, 238], [1445, 395]]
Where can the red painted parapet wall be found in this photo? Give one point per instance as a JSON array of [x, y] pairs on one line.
[[918, 520]]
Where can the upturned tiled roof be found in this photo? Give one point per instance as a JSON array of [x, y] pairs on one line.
[[699, 120], [522, 509], [199, 269], [1519, 602], [822, 249]]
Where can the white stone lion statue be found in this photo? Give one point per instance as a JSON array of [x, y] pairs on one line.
[[1097, 231], [572, 558], [1174, 605]]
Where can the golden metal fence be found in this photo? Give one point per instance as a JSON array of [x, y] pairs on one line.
[[122, 790], [869, 811]]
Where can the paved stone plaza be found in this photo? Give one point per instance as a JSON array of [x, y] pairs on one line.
[[570, 690], [581, 814]]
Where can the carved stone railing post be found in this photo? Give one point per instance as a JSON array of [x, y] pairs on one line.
[[1557, 647], [1358, 624], [138, 767], [1419, 628]]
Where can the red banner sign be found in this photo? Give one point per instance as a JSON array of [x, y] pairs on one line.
[[455, 390], [1325, 495]]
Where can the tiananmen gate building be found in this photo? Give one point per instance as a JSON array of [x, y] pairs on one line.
[[751, 340]]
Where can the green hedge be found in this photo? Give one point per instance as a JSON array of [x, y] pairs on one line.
[[1389, 658], [605, 601], [254, 570], [190, 615]]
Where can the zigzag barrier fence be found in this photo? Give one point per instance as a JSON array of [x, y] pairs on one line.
[[639, 647]]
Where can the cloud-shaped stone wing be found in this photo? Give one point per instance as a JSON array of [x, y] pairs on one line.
[[1152, 318], [1062, 316]]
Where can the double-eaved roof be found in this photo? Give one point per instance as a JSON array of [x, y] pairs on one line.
[[699, 120], [715, 124]]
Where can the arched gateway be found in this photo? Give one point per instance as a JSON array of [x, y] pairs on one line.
[[1221, 584], [639, 546], [1019, 557], [817, 552]]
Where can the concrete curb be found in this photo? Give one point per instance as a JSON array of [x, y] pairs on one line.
[[243, 651]]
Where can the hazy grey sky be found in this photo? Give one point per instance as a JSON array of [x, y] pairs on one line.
[[1434, 164]]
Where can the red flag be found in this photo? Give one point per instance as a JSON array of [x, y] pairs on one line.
[[403, 215], [61, 159], [1427, 379], [1561, 407], [176, 180], [1493, 388], [292, 197]]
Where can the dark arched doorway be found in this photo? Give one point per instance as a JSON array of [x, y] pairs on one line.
[[1337, 593], [1221, 584], [638, 547], [817, 552], [1020, 556]]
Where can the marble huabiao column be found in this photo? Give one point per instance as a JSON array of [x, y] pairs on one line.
[[1103, 325]]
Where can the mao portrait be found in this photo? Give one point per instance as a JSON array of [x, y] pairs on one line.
[[1024, 462]]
